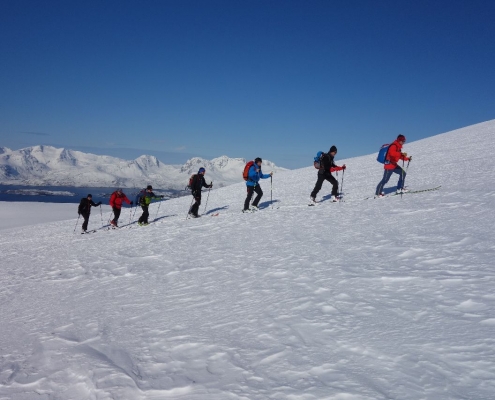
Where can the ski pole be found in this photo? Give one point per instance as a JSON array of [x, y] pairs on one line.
[[402, 173], [76, 224], [404, 177], [190, 205], [342, 186], [101, 216], [156, 216], [130, 215], [271, 189], [207, 197]]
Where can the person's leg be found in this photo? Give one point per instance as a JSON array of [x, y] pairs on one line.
[[116, 215], [259, 194], [335, 185], [141, 218], [387, 173], [85, 223], [195, 207], [146, 214], [250, 190], [319, 183], [402, 177]]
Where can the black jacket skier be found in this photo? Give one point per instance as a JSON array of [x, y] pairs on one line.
[[198, 182], [84, 209], [327, 166]]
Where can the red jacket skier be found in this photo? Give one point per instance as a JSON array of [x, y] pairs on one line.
[[116, 200], [394, 154]]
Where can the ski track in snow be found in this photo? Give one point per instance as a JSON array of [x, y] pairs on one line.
[[377, 299]]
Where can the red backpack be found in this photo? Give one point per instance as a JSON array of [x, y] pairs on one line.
[[245, 174], [192, 181]]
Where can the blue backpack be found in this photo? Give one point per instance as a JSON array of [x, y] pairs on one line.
[[140, 197], [382, 154], [317, 159]]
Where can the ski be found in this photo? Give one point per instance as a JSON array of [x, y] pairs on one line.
[[417, 191], [408, 192], [86, 232]]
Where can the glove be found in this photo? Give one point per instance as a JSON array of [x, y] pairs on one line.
[[344, 167], [162, 196], [132, 203], [211, 185], [98, 204]]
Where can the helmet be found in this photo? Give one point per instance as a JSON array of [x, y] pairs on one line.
[[149, 187], [401, 138], [201, 170], [257, 160]]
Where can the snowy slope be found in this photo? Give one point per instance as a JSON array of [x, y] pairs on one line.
[[375, 299], [50, 166]]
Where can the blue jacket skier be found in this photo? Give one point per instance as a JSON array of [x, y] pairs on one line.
[[254, 176]]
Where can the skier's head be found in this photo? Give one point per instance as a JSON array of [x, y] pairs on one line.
[[201, 171], [401, 138], [333, 149], [258, 161], [89, 196], [149, 187]]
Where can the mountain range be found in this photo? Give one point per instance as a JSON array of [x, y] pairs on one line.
[[50, 166]]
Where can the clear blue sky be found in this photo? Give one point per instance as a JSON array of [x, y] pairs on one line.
[[275, 79]]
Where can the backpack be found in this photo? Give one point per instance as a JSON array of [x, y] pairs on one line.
[[140, 197], [192, 181], [245, 173], [317, 160], [80, 209], [382, 154]]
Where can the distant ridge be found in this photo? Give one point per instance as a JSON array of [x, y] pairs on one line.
[[49, 166]]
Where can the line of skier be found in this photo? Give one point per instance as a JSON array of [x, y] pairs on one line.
[[389, 155]]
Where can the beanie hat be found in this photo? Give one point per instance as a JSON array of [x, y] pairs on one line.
[[332, 149], [90, 195], [149, 187], [257, 160], [401, 138], [201, 170]]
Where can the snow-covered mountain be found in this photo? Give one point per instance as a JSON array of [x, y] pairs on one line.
[[364, 299], [50, 166]]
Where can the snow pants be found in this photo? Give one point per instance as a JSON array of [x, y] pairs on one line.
[[195, 207], [386, 176], [116, 214], [250, 191], [319, 183], [144, 217], [86, 220]]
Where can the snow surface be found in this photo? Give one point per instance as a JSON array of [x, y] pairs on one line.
[[50, 166], [364, 299]]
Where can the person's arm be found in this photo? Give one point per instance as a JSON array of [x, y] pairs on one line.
[[336, 168], [265, 176]]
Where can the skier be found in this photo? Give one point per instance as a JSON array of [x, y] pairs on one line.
[[145, 198], [390, 166], [253, 177], [198, 182], [84, 209], [116, 200], [327, 166]]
